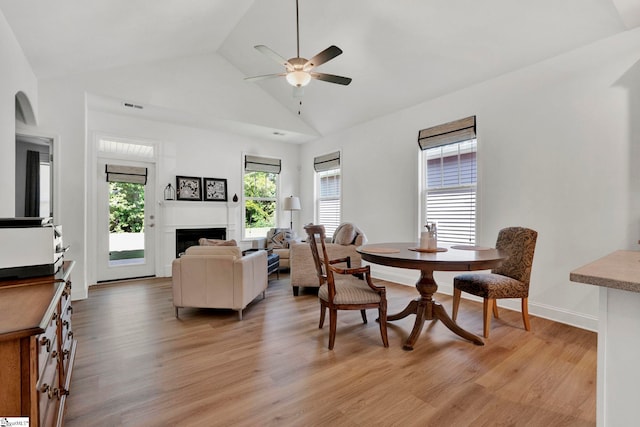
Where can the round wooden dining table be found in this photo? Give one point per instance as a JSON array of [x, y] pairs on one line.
[[447, 258]]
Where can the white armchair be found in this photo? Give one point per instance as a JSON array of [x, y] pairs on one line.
[[279, 240], [218, 277]]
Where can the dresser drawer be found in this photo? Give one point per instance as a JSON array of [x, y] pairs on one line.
[[47, 343], [48, 391], [65, 323], [67, 355]]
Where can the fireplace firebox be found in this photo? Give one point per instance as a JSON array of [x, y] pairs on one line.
[[186, 237]]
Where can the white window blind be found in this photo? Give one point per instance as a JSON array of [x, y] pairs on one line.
[[451, 175], [329, 201]]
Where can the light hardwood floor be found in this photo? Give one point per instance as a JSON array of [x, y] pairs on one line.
[[137, 365]]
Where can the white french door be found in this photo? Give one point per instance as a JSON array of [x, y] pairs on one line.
[[126, 220]]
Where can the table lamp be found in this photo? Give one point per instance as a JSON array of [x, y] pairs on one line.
[[291, 204]]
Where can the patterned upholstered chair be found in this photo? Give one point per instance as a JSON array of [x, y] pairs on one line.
[[346, 238], [341, 290], [510, 280]]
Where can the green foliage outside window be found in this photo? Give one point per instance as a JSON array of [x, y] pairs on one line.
[[126, 207], [260, 191]]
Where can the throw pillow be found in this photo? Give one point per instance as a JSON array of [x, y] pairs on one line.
[[345, 234], [280, 240], [216, 242]]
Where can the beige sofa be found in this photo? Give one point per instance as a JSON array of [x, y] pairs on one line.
[[346, 239], [218, 277]]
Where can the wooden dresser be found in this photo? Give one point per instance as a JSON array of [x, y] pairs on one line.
[[37, 347]]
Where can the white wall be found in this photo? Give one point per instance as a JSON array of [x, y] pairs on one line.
[[201, 86], [15, 76], [192, 152], [557, 152]]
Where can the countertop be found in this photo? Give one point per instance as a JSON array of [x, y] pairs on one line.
[[618, 270]]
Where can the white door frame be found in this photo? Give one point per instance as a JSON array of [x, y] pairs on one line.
[[95, 157], [105, 270]]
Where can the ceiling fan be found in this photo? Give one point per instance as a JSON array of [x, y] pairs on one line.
[[299, 70]]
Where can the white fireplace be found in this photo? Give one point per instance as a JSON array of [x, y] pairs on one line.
[[187, 215]]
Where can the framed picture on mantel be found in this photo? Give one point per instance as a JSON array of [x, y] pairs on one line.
[[188, 188], [215, 189]]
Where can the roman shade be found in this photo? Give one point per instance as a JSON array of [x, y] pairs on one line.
[[262, 164], [131, 174], [447, 133], [327, 162]]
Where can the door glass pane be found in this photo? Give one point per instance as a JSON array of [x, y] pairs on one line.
[[126, 223]]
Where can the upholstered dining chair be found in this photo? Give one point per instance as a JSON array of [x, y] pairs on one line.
[[510, 280], [344, 288]]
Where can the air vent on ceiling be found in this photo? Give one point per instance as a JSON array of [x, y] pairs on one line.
[[131, 105]]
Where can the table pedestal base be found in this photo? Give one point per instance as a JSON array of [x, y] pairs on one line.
[[425, 308]]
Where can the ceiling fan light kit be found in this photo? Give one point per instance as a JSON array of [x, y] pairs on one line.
[[298, 70], [298, 78]]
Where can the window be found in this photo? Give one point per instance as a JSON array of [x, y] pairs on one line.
[[260, 195], [328, 191], [450, 180]]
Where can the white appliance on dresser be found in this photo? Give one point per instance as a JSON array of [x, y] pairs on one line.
[[29, 247]]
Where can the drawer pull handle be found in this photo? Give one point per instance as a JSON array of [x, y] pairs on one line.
[[46, 342], [70, 309], [65, 293], [65, 323], [70, 334], [54, 354], [48, 390], [54, 317], [65, 354]]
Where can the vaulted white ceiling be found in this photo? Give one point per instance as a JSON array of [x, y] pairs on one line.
[[399, 53]]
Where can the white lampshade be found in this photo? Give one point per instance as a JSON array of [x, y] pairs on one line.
[[292, 204], [298, 78]]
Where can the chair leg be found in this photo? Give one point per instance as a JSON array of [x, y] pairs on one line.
[[296, 290], [239, 314], [525, 313], [364, 315], [177, 313], [333, 319], [382, 318], [495, 309], [487, 308], [456, 303], [323, 310]]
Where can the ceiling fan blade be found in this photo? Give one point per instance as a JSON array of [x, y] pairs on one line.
[[264, 77], [274, 56], [324, 56], [331, 78]]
